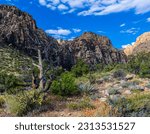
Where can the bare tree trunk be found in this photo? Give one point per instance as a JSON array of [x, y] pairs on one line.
[[34, 86], [41, 84]]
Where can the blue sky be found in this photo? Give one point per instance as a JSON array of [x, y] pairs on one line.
[[120, 20]]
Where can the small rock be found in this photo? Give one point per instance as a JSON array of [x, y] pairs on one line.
[[129, 76], [146, 89], [103, 99], [122, 82], [137, 87], [127, 92], [106, 92], [114, 97], [69, 114]]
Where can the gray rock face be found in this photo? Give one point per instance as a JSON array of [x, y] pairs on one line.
[[93, 49], [19, 30]]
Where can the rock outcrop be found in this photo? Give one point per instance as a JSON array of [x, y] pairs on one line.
[[93, 49], [18, 30], [142, 44]]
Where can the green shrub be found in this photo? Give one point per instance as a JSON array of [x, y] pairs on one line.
[[16, 105], [83, 104], [140, 64], [80, 68], [148, 85], [119, 74], [113, 91], [92, 79], [109, 67], [54, 73], [99, 67], [130, 84], [106, 78], [2, 101], [23, 102], [65, 85], [137, 105], [86, 88], [8, 82]]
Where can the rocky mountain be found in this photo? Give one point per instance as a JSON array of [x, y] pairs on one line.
[[19, 30], [142, 44], [93, 49]]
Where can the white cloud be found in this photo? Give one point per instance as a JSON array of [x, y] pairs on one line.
[[122, 25], [59, 32], [76, 30], [130, 31], [98, 7], [148, 19], [62, 7], [102, 32], [42, 2], [125, 46], [62, 33]]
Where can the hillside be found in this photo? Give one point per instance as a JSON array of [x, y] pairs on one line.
[[19, 30], [14, 62], [40, 76]]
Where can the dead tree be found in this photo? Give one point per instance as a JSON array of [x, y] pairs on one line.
[[41, 74], [40, 82]]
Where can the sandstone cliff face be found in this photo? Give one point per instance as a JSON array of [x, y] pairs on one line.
[[19, 30], [93, 49], [142, 44], [129, 50]]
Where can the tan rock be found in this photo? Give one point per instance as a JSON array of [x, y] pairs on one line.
[[142, 44]]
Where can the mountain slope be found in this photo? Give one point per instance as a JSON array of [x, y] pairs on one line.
[[93, 49], [142, 44], [18, 30]]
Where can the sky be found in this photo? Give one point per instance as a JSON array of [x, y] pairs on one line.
[[122, 21]]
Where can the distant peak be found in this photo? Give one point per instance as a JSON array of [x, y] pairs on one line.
[[90, 34]]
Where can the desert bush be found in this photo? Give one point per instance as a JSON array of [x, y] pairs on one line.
[[54, 73], [86, 88], [140, 64], [80, 68], [106, 78], [23, 102], [65, 85], [122, 66], [148, 85], [2, 101], [119, 74], [109, 67], [83, 104], [113, 91], [137, 105], [130, 84], [92, 78], [99, 67], [136, 88], [102, 109], [8, 82]]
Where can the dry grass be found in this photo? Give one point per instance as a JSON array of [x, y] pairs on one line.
[[102, 109]]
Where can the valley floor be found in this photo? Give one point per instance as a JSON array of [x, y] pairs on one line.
[[103, 99]]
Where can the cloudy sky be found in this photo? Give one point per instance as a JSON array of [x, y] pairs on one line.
[[121, 20]]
